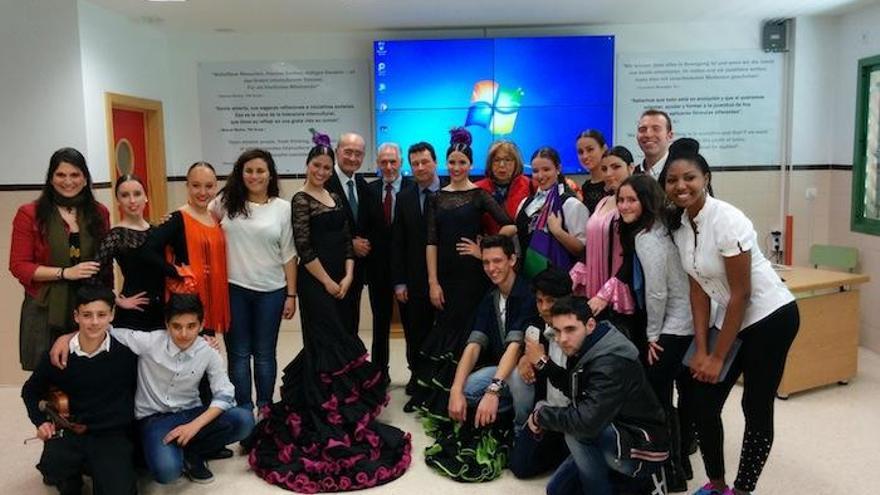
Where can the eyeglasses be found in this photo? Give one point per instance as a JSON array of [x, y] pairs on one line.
[[504, 159]]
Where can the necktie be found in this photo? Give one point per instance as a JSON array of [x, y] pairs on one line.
[[386, 203], [422, 196], [352, 199]]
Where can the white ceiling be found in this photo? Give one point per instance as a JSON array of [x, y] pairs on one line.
[[372, 15]]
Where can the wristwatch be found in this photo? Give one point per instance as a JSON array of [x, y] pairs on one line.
[[541, 363], [495, 387]]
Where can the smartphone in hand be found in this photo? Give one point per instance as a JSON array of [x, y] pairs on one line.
[[533, 334]]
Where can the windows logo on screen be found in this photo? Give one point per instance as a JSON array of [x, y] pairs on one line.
[[494, 108]]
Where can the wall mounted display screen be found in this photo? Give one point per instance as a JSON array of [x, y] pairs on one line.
[[533, 91]]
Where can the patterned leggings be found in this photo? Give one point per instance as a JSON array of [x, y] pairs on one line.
[[761, 361]]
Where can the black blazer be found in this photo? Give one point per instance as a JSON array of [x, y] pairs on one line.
[[334, 185], [375, 229], [409, 239]]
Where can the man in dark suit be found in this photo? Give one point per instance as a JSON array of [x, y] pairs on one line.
[[409, 272], [351, 188], [378, 218]]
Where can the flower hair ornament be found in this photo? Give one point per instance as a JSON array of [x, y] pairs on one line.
[[320, 139], [460, 135]]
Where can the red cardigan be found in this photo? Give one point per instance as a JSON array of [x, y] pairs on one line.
[[520, 189], [29, 249]]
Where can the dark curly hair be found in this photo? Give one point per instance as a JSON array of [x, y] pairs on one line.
[[685, 149], [234, 193], [46, 203]]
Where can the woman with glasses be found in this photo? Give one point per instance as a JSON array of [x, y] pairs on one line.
[[504, 181]]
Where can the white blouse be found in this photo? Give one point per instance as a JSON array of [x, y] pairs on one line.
[[258, 246], [575, 214], [667, 303], [723, 231]]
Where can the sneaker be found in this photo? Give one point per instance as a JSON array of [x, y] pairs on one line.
[[197, 471], [709, 489], [223, 453], [675, 482], [410, 406]]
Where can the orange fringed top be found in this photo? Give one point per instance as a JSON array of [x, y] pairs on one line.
[[206, 248]]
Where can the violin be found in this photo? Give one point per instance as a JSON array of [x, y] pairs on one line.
[[56, 405]]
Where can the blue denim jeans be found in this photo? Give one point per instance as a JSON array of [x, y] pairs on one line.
[[533, 455], [590, 465], [165, 461], [256, 317], [517, 394]]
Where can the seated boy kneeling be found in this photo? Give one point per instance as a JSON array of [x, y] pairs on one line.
[[177, 431], [493, 347], [614, 421], [99, 382]]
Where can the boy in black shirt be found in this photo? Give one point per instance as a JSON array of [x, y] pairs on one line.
[[99, 380]]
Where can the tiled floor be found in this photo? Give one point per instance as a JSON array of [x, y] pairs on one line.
[[827, 443]]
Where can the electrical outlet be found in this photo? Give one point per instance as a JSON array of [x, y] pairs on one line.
[[811, 193], [777, 245]]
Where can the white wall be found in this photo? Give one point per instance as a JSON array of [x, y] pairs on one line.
[[814, 80], [857, 36], [189, 49], [40, 86], [183, 135], [118, 56]]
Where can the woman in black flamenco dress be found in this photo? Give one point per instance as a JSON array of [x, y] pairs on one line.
[[323, 434], [453, 214]]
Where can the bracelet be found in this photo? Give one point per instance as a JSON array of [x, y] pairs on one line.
[[495, 387], [61, 274], [539, 365], [292, 295]]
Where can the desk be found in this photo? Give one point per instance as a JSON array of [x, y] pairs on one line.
[[825, 350]]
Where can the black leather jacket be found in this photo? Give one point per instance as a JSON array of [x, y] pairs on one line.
[[607, 386]]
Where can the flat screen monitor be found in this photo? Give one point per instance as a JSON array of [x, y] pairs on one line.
[[532, 91]]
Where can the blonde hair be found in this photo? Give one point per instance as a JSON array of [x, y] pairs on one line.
[[510, 148]]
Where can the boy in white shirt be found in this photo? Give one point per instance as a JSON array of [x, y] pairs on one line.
[[177, 431]]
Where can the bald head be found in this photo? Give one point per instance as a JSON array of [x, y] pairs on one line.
[[350, 152]]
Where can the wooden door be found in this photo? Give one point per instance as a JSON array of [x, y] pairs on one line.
[[136, 143], [130, 133]]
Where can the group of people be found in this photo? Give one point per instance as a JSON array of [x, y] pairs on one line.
[[547, 323]]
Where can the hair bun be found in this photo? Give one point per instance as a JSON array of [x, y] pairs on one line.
[[460, 135], [684, 146], [320, 139]]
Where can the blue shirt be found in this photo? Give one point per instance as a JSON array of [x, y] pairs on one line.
[[168, 377], [435, 185]]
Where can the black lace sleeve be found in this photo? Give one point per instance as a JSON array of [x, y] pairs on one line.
[[431, 218], [300, 214], [108, 250], [490, 206], [171, 233]]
